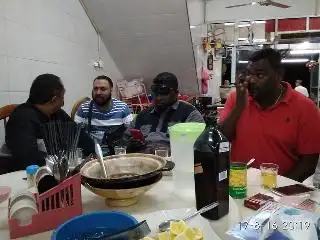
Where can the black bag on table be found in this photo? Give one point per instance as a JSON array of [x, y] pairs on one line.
[[113, 135]]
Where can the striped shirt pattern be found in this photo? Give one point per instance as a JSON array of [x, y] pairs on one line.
[[119, 114]]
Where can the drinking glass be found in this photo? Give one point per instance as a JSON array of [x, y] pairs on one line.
[[162, 152], [269, 172], [119, 150], [76, 158], [79, 156]]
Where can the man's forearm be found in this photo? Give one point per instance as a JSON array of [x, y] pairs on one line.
[[228, 126], [195, 116], [20, 160], [305, 168], [86, 143]]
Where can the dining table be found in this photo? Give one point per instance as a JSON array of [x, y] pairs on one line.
[[163, 196]]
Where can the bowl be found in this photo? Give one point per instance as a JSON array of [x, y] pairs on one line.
[[23, 210], [124, 167], [130, 175], [139, 181], [42, 171], [23, 195], [108, 221], [123, 197]]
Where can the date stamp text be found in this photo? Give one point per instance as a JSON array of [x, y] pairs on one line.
[[285, 225]]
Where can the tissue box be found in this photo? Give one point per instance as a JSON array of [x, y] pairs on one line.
[[278, 222]]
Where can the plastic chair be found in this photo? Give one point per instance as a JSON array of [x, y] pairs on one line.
[[5, 155], [77, 105], [134, 94], [5, 113]]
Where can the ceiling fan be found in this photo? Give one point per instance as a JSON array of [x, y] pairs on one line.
[[261, 3]]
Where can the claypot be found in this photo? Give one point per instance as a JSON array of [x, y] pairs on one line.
[[129, 176]]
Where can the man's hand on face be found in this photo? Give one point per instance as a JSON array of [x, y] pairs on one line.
[[242, 91]]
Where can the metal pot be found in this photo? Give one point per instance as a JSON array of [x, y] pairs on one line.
[[124, 171]]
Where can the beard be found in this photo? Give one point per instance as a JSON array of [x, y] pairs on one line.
[[101, 100], [160, 108]]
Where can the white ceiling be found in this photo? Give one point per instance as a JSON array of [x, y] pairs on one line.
[[146, 37]]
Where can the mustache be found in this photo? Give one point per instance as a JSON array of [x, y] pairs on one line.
[[103, 99], [101, 96]]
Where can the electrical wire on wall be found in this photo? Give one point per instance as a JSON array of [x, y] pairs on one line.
[[98, 63]]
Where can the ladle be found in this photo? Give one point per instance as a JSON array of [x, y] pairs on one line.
[[99, 154]]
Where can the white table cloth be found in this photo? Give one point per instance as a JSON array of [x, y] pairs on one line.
[[309, 181], [164, 196]]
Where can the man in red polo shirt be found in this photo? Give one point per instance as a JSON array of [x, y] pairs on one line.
[[267, 120]]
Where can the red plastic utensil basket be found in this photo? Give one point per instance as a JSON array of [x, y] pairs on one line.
[[55, 206]]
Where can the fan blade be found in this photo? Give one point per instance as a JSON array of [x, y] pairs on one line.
[[239, 5], [276, 4]]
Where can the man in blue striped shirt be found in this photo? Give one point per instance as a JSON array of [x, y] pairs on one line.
[[104, 114]]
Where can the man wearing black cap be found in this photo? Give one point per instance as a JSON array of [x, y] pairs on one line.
[[167, 110]]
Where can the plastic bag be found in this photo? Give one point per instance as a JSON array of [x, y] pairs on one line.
[[282, 222]]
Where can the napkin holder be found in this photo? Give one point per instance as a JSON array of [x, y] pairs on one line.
[[55, 206]]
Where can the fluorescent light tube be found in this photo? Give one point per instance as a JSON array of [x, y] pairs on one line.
[[295, 60], [304, 51], [229, 24], [259, 40], [244, 25], [288, 60], [259, 21]]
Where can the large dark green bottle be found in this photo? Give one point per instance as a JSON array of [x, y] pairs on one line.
[[211, 169]]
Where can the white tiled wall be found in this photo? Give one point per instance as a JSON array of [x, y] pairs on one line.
[[51, 36]]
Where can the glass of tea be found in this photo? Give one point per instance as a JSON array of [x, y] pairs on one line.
[[119, 150], [269, 172], [162, 152]]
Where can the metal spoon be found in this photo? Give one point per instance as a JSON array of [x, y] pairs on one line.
[[64, 168], [250, 162], [164, 226], [55, 171], [99, 154], [137, 231]]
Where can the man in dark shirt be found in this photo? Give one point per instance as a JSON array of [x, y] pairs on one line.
[[24, 135], [167, 111]]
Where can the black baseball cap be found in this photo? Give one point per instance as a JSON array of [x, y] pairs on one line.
[[164, 82]]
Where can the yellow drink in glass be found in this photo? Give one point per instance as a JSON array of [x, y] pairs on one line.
[[269, 172]]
